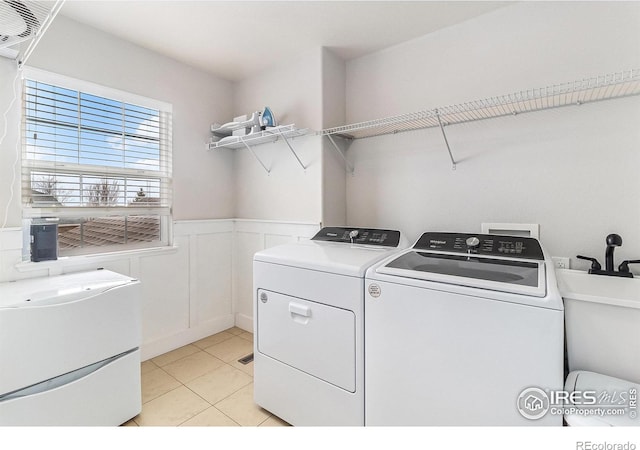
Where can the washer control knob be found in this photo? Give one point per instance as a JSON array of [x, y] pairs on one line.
[[473, 242]]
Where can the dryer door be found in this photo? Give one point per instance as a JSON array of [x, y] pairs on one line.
[[317, 339]]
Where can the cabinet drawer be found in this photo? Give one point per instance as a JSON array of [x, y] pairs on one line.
[[47, 340]]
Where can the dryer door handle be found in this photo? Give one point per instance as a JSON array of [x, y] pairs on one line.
[[301, 310]]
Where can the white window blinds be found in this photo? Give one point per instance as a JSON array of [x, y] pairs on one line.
[[90, 156]]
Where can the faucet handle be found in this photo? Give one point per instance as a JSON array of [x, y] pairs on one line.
[[595, 265], [624, 266]]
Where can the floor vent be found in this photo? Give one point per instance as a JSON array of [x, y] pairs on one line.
[[247, 359]]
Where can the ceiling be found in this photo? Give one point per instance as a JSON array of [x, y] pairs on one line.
[[237, 39]]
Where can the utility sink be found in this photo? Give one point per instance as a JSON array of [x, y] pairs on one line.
[[580, 285], [602, 323]]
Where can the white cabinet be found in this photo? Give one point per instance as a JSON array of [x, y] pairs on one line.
[[70, 345]]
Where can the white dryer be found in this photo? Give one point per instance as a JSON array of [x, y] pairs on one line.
[[463, 329], [308, 325]]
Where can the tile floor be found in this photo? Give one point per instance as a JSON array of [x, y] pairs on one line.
[[202, 384]]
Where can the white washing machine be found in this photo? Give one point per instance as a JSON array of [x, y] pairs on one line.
[[458, 328], [308, 325]]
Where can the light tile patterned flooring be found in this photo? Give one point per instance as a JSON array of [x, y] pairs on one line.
[[202, 384]]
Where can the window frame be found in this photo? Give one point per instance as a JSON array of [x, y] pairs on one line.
[[164, 211]]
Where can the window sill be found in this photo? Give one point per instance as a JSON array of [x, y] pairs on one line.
[[28, 266]]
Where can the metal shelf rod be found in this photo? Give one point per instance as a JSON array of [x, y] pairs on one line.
[[344, 158], [256, 157], [444, 135], [292, 150]]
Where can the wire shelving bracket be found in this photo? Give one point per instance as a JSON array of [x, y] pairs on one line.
[[348, 165], [256, 156], [446, 141], [284, 138]]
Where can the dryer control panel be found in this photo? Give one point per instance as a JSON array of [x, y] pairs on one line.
[[363, 236], [481, 244]]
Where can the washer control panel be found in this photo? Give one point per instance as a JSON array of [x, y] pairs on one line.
[[481, 244], [363, 236]]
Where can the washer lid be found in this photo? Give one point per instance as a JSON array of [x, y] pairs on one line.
[[499, 274], [339, 258]]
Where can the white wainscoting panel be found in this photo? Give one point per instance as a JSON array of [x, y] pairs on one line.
[[165, 294], [252, 236], [211, 267], [11, 243], [246, 245], [199, 303]]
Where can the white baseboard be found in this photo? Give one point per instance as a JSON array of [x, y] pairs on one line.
[[152, 349], [245, 322]]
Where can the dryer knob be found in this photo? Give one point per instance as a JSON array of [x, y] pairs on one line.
[[473, 242]]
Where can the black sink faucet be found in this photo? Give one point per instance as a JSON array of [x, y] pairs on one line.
[[613, 241]]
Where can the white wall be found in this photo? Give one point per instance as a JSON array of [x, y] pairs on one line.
[[521, 46], [291, 90], [572, 170], [334, 198], [308, 91], [290, 193], [72, 49], [10, 149]]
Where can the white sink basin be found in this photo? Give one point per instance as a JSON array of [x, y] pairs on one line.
[[580, 285]]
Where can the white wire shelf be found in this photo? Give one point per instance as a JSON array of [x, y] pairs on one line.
[[588, 90], [284, 132], [263, 137]]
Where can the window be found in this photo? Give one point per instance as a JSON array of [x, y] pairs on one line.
[[98, 163]]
